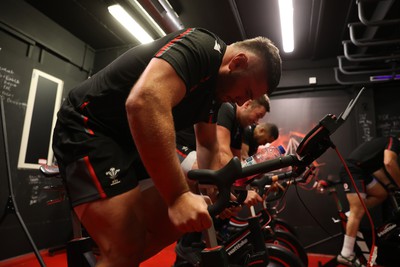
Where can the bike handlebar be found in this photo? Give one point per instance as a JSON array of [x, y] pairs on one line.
[[225, 177], [269, 180]]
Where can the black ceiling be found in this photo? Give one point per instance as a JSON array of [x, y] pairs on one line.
[[321, 26]]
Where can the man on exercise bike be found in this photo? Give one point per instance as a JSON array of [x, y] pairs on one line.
[[374, 168], [257, 135], [231, 122], [115, 135]]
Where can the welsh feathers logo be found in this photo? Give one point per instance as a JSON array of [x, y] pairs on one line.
[[113, 175]]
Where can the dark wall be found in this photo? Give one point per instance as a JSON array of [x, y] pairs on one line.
[[297, 74], [387, 110], [31, 41], [296, 113]]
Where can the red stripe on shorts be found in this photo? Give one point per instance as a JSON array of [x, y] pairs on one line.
[[94, 177], [180, 153]]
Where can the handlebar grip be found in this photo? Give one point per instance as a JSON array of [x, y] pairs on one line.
[[269, 179], [241, 196], [223, 179], [270, 165], [226, 176]]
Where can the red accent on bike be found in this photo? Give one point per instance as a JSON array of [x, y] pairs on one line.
[[243, 181], [323, 183], [310, 138], [255, 262], [235, 221], [214, 248], [278, 260]]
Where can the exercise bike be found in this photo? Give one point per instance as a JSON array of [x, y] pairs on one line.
[[253, 249], [387, 235], [274, 232], [244, 246], [232, 229], [278, 231]]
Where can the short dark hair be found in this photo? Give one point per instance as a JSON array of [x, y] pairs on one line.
[[271, 128], [266, 50], [262, 101]]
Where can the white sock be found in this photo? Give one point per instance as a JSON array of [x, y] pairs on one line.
[[348, 246]]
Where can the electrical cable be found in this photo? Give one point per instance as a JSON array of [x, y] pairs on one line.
[[279, 202], [309, 212]]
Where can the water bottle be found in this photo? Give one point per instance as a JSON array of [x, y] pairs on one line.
[[264, 154]]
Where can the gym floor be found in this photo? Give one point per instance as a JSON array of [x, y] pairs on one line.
[[163, 259]]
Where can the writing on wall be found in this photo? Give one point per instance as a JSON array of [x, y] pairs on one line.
[[366, 125], [47, 190], [388, 124], [9, 84]]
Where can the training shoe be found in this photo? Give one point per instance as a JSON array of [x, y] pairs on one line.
[[349, 261], [188, 256]]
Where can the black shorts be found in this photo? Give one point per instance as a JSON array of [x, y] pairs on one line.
[[95, 166], [182, 152], [361, 178], [187, 157]]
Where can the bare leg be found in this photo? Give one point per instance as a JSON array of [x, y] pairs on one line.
[[160, 231], [375, 195], [128, 228], [355, 216]]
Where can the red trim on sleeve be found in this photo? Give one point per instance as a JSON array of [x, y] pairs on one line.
[[173, 41], [390, 143]]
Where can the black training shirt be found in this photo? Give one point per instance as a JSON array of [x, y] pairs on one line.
[[369, 155], [99, 102], [227, 119], [248, 139]]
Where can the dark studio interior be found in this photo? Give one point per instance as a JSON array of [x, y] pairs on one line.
[[47, 47]]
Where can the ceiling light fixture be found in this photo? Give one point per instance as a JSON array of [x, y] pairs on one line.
[[286, 16], [139, 8], [171, 14], [130, 24]]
